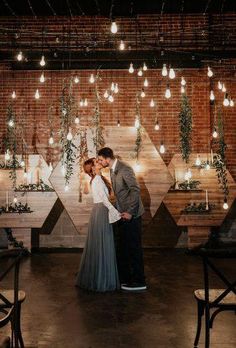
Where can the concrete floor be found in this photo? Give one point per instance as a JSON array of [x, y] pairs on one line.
[[57, 315]]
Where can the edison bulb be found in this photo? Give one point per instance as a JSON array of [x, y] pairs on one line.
[[66, 188], [167, 92], [42, 61], [118, 123], [207, 167], [137, 167], [42, 78], [122, 45], [111, 98], [91, 79], [7, 155], [131, 68], [223, 88], [226, 101], [25, 174], [182, 89], [51, 140], [22, 163], [145, 83], [112, 86], [11, 123], [116, 89], [106, 95], [164, 71], [198, 161], [114, 27], [215, 134], [144, 67], [140, 72], [81, 103], [162, 148], [152, 104], [13, 95], [69, 136], [77, 120], [15, 199], [183, 82], [137, 123], [76, 79], [225, 205], [231, 103], [19, 56], [171, 74], [157, 127], [142, 94], [37, 95], [85, 102], [219, 85], [209, 72], [212, 96]]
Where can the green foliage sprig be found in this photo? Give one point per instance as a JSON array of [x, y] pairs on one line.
[[16, 208], [41, 187], [185, 128], [138, 140], [198, 207], [189, 185], [81, 157], [98, 138]]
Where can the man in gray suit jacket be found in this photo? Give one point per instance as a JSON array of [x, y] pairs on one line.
[[129, 204]]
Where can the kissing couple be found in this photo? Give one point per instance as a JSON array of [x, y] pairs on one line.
[[104, 267]]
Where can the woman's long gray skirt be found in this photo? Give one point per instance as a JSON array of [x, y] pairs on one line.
[[98, 268]]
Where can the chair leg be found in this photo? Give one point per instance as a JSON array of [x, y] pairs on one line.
[[207, 327], [19, 327], [200, 312]]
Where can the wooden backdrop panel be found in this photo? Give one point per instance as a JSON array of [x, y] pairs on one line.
[[153, 176], [40, 202]]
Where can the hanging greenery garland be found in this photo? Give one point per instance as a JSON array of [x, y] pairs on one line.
[[220, 159], [98, 138], [185, 128], [139, 128], [67, 111], [82, 156]]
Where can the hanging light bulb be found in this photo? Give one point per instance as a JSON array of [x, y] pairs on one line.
[[231, 102], [145, 82], [171, 74], [50, 167], [106, 95], [81, 103], [112, 86], [157, 126], [13, 95], [25, 175], [76, 79], [42, 61], [144, 67], [91, 79], [137, 123], [152, 104], [137, 166], [140, 72], [37, 95], [66, 188], [142, 93], [114, 28], [167, 92], [15, 199], [162, 148], [77, 120], [7, 155], [212, 96], [11, 123], [22, 163], [164, 71], [69, 136], [215, 134], [19, 56], [85, 102], [226, 100], [131, 68], [183, 82], [111, 98], [209, 72], [223, 88], [42, 78], [198, 161], [116, 89], [219, 85], [51, 140], [182, 89], [207, 166], [118, 123], [122, 45], [225, 205]]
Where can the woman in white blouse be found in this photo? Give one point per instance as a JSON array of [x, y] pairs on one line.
[[98, 268]]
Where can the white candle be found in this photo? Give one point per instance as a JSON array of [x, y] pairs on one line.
[[212, 159], [7, 200], [207, 207]]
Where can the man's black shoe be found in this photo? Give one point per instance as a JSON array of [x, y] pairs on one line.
[[134, 286]]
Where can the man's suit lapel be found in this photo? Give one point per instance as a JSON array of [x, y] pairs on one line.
[[114, 174]]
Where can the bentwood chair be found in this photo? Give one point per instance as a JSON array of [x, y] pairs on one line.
[[213, 301], [11, 299]]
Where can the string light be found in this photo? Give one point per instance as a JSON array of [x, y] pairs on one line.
[[85, 102], [76, 79], [66, 188], [215, 134], [106, 95], [140, 72], [209, 72], [69, 136], [42, 78], [22, 163], [164, 71], [223, 88], [122, 45], [118, 123], [162, 148], [77, 120], [7, 155], [111, 98], [142, 93], [37, 94], [81, 103], [15, 199], [145, 82], [13, 95], [11, 123], [157, 126], [144, 67], [167, 92], [137, 123], [19, 56], [225, 205], [112, 86], [207, 166], [226, 100], [198, 161], [114, 27], [42, 61], [91, 79], [231, 102], [182, 89], [116, 89], [51, 140], [171, 74], [131, 68], [212, 96], [152, 104], [219, 85], [183, 82]]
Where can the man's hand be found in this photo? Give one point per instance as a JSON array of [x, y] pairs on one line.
[[126, 216]]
